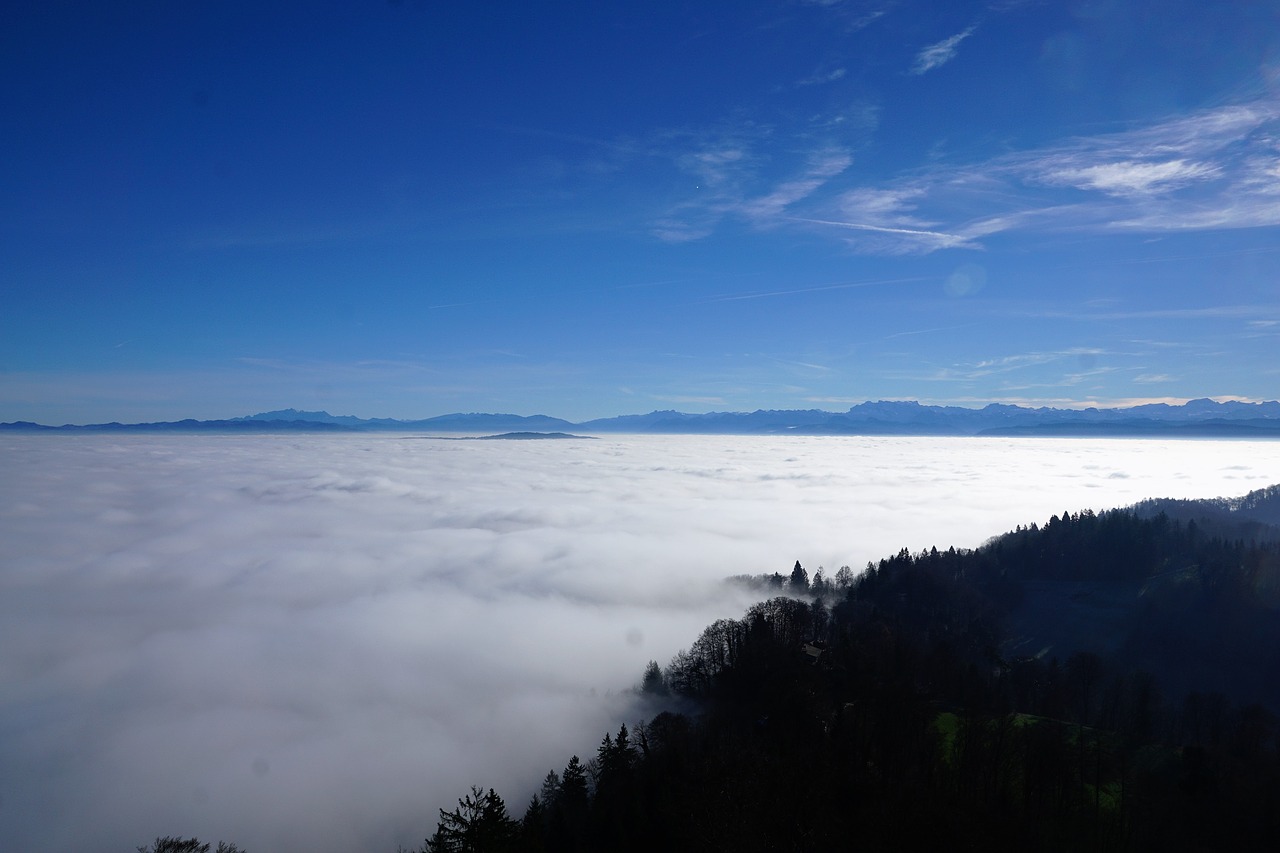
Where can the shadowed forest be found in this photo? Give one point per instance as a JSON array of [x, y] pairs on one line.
[[1102, 682]]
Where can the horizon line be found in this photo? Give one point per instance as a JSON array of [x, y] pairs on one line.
[[1074, 406]]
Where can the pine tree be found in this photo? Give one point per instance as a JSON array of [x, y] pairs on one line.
[[480, 824], [799, 579]]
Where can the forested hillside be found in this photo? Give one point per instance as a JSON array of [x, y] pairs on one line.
[[897, 709], [1102, 682]]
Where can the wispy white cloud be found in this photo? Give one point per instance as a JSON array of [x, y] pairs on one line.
[[1216, 169], [823, 166], [716, 166], [1212, 169], [1016, 362], [673, 229], [940, 53], [1013, 362], [1080, 376], [1208, 312], [1093, 402], [889, 214], [721, 166], [1130, 178], [930, 331], [854, 15], [731, 184], [894, 206], [855, 122], [822, 77], [807, 365], [904, 240]]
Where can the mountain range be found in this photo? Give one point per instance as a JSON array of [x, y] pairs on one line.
[[1196, 418]]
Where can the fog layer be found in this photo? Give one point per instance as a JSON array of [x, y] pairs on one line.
[[313, 643]]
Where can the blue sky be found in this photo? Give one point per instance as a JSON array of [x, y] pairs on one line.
[[583, 209]]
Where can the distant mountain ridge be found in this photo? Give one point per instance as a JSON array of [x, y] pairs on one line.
[[1196, 418]]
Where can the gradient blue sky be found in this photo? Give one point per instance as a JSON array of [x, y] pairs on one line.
[[583, 209]]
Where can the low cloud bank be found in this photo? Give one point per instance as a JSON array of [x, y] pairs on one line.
[[313, 643]]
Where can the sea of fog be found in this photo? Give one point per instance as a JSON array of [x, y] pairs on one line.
[[313, 643]]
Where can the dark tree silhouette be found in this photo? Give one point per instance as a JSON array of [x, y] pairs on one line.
[[896, 713], [169, 844], [480, 824], [653, 684], [799, 579]]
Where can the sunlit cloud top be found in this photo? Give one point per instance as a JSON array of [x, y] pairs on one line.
[[939, 54], [313, 643]]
